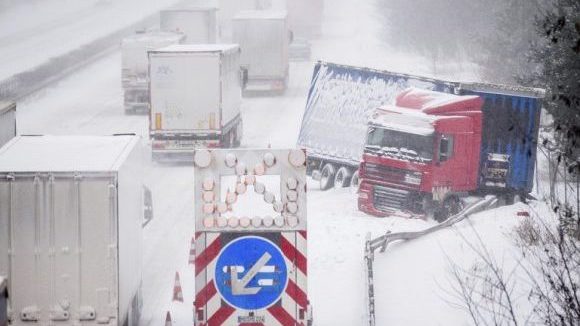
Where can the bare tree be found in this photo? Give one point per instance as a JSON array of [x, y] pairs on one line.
[[549, 272]]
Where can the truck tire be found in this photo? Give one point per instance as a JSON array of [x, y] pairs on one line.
[[342, 178], [239, 133], [355, 180], [232, 139], [451, 206], [327, 176]]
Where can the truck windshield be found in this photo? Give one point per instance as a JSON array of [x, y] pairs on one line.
[[399, 144]]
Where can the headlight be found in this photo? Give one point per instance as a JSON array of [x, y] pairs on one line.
[[413, 178]]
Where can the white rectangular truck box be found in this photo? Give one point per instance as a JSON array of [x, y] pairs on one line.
[[198, 23], [71, 229], [264, 38], [135, 66], [195, 99], [228, 9], [7, 121]]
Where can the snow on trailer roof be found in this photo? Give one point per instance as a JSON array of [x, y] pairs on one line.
[[261, 14], [503, 89], [65, 153], [184, 48], [6, 106], [192, 7], [147, 36]]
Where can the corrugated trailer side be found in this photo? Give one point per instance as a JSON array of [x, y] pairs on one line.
[[70, 233], [7, 121], [511, 122]]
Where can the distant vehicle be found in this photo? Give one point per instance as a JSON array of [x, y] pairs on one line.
[[195, 99], [426, 153], [74, 211], [3, 302], [135, 66], [228, 9], [299, 50], [197, 23], [264, 38], [305, 17], [7, 121]]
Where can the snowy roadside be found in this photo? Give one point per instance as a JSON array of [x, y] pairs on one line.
[[33, 34]]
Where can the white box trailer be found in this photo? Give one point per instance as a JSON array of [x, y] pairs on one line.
[[7, 121], [264, 38], [70, 229], [228, 9], [135, 66], [195, 99], [198, 23]]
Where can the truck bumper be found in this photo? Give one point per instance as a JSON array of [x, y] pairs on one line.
[[383, 201], [256, 87], [179, 150], [136, 108]]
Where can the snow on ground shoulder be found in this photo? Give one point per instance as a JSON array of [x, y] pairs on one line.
[[413, 280], [336, 237]]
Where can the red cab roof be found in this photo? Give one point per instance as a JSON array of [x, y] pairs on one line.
[[430, 102]]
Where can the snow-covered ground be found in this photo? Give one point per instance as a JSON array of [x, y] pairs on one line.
[[409, 277], [33, 32]]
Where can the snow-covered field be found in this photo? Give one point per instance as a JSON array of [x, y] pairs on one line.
[[409, 277]]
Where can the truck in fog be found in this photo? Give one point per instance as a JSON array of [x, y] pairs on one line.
[[228, 9], [195, 99], [341, 128], [71, 214], [264, 38], [197, 23], [7, 121], [135, 66]]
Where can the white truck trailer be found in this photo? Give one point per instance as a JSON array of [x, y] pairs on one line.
[[70, 229], [198, 23], [263, 37], [195, 99], [135, 66], [228, 9], [7, 121]]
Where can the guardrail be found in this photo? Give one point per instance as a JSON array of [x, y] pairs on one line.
[[30, 81], [383, 241]]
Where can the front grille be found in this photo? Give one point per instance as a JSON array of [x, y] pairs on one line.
[[385, 173], [389, 200]]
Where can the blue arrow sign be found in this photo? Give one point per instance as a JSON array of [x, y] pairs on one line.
[[251, 273]]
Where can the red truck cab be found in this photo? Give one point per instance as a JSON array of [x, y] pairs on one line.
[[421, 154]]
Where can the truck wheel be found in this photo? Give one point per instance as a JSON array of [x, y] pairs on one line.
[[342, 178], [327, 176], [355, 180], [451, 206], [232, 141]]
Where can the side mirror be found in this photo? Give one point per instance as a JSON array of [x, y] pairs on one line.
[[243, 77]]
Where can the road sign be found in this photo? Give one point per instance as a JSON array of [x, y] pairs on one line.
[[251, 273]]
